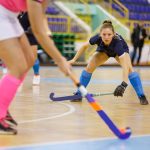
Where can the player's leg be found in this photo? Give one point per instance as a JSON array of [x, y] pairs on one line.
[[140, 53], [36, 67], [34, 43], [97, 59], [12, 55], [135, 81], [134, 53], [30, 53], [36, 77]]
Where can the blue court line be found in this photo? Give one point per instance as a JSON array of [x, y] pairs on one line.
[[134, 143], [98, 68], [93, 81]]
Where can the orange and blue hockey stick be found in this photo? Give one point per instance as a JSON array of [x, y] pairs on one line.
[[121, 134]]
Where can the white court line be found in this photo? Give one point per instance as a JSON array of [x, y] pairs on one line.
[[71, 110]]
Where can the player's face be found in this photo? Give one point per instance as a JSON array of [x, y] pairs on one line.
[[107, 35]]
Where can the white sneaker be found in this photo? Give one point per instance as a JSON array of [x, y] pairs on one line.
[[36, 80]]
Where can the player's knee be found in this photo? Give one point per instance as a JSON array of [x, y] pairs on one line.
[[89, 69], [18, 69]]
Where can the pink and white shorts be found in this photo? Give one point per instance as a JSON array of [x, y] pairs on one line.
[[9, 24]]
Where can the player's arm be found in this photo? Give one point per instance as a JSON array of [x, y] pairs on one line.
[[83, 48], [92, 41], [45, 4], [36, 14], [37, 20], [123, 61], [125, 66]]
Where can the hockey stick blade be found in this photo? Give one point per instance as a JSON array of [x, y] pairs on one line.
[[125, 134], [73, 97]]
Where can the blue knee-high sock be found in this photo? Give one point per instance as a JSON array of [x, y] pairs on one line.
[[136, 83], [85, 78], [36, 67]]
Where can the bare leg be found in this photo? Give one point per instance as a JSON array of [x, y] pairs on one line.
[[12, 52], [97, 59]]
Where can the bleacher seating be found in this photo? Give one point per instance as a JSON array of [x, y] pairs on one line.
[[138, 9], [145, 2], [65, 43], [52, 11]]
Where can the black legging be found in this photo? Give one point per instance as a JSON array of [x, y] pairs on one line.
[[135, 52]]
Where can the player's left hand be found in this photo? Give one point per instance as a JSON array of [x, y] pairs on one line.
[[119, 91]]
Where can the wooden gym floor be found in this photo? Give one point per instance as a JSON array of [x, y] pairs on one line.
[[44, 124]]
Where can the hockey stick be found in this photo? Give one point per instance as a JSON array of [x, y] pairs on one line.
[[73, 97], [121, 134]]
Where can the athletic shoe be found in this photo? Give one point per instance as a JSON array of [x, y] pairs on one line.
[[76, 100], [6, 129], [10, 119], [36, 80], [143, 100]]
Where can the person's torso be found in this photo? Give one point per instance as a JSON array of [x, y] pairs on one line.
[[14, 5], [116, 47]]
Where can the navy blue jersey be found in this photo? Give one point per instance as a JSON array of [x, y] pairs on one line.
[[117, 47], [24, 21]]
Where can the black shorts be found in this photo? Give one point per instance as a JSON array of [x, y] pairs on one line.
[[111, 54], [32, 39]]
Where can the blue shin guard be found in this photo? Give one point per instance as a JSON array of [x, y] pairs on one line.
[[85, 79], [36, 67], [136, 83]]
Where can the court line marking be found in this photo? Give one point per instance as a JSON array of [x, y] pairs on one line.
[[71, 110], [72, 141], [93, 81]]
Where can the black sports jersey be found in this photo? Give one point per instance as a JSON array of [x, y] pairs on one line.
[[117, 47]]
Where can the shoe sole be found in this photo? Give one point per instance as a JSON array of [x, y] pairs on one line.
[[2, 132]]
